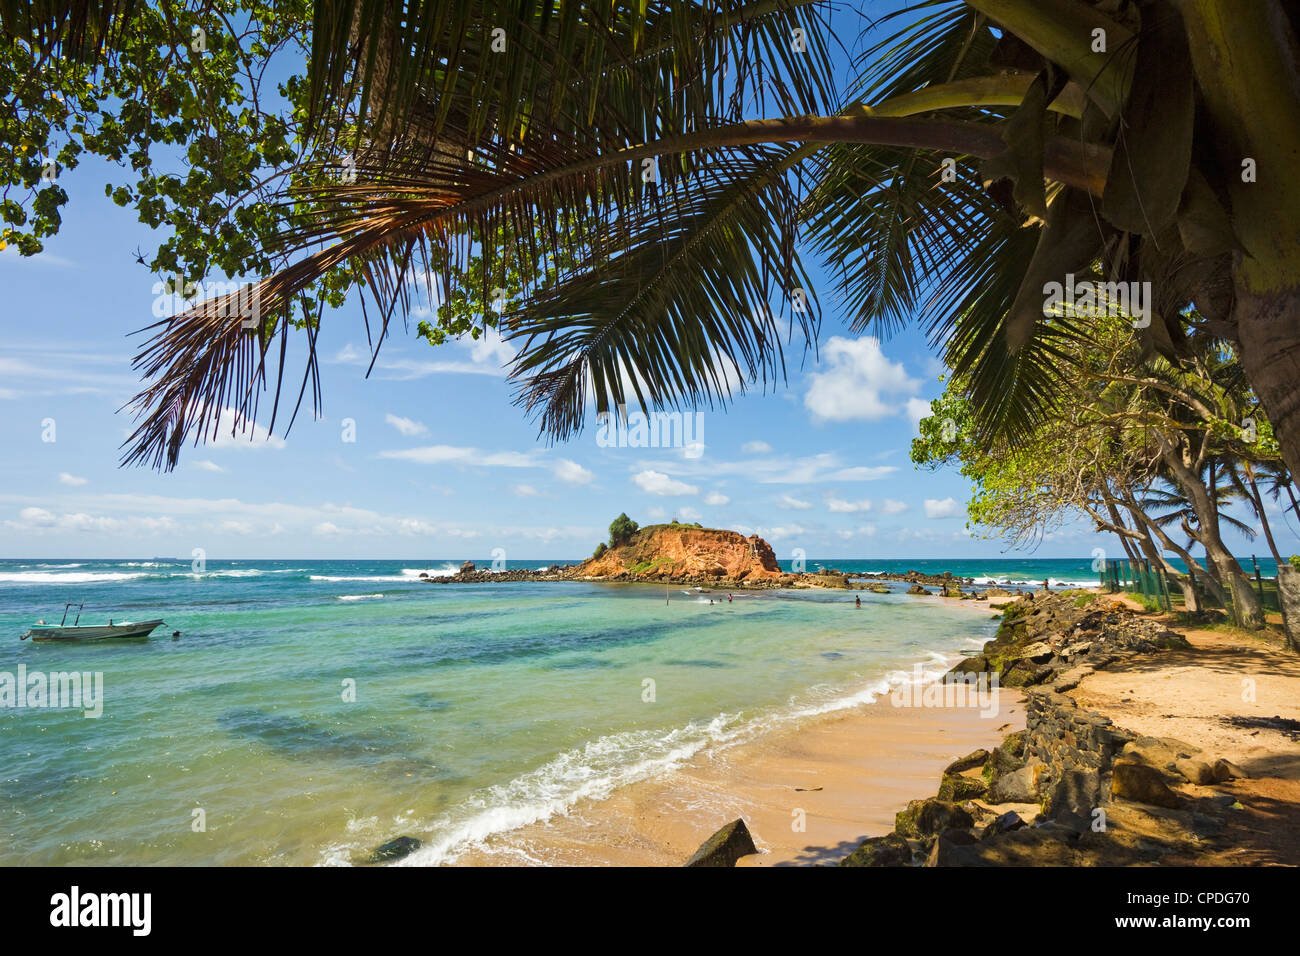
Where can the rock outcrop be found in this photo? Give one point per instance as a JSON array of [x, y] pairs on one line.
[[1071, 788], [686, 554], [725, 847]]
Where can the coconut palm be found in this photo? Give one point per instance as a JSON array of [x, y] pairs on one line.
[[1155, 137]]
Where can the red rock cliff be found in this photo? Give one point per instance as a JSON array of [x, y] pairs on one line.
[[684, 552]]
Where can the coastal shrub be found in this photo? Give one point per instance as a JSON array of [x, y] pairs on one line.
[[621, 530], [1148, 603], [600, 549]]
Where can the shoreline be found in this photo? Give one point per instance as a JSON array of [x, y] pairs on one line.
[[835, 785], [848, 771]]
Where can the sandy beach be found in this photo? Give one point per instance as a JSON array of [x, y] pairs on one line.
[[844, 774], [810, 793]]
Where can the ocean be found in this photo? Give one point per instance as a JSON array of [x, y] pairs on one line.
[[312, 710]]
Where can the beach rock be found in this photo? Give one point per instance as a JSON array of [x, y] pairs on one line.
[[1224, 770], [1160, 752], [1195, 771], [1003, 824], [1007, 758], [888, 850], [957, 788], [394, 850], [1141, 782], [1019, 786], [1073, 798], [725, 847], [917, 589], [968, 762], [946, 846], [1023, 846], [467, 568], [925, 818]]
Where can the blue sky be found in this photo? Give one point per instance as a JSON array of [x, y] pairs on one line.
[[443, 466]]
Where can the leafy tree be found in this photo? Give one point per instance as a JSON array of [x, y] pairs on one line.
[[621, 530], [987, 147]]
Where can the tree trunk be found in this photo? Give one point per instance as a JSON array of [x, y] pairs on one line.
[[1245, 58], [1288, 598], [1259, 510], [1268, 329]]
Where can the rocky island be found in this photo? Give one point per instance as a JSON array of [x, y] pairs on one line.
[[695, 556]]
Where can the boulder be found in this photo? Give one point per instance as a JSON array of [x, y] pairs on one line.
[[1159, 752], [968, 762], [888, 850], [925, 818], [917, 589], [957, 788], [1195, 771], [394, 850], [1022, 846], [725, 847], [1133, 780], [1073, 798], [467, 568], [1227, 770], [945, 852], [1002, 824], [1018, 786]]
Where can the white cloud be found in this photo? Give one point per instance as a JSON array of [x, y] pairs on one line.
[[525, 491], [405, 425], [945, 508], [796, 504], [716, 498], [778, 470], [863, 531], [756, 447], [71, 480], [841, 506], [657, 483], [490, 349], [892, 506], [205, 465], [860, 382], [457, 455], [688, 514], [784, 531], [571, 473]]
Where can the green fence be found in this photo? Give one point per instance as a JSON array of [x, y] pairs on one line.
[[1140, 577]]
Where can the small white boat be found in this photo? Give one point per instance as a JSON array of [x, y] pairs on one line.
[[40, 632]]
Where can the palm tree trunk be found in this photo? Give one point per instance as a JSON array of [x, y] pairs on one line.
[[1245, 57], [1259, 510]]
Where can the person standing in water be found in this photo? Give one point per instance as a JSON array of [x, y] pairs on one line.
[[858, 601]]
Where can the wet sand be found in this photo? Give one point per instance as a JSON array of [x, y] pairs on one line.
[[842, 775]]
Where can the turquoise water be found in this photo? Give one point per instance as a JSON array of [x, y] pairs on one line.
[[477, 707]]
